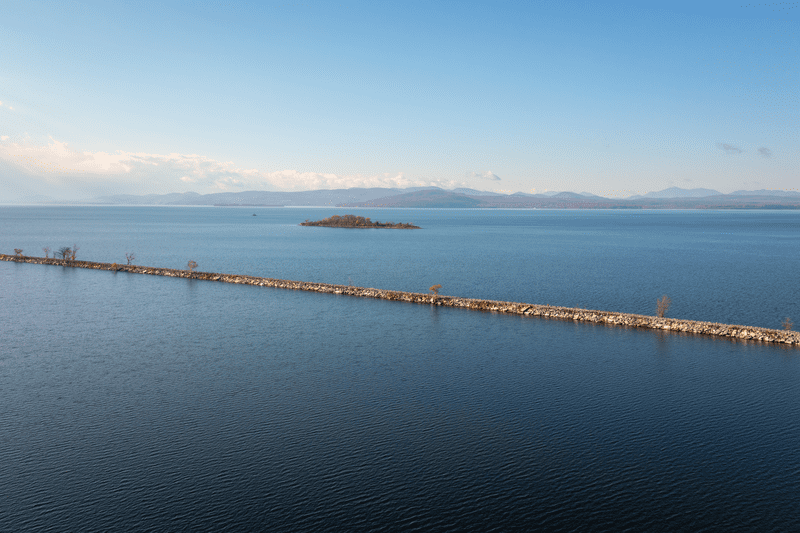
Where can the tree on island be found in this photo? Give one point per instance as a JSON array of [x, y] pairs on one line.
[[131, 257], [65, 252], [18, 252], [353, 221], [191, 265], [46, 251]]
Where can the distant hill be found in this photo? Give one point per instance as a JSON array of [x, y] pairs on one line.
[[430, 198], [474, 192], [677, 192], [567, 194], [451, 199], [255, 198], [767, 192], [554, 194]]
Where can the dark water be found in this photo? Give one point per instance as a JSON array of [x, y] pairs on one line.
[[133, 402]]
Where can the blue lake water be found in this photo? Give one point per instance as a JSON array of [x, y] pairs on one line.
[[132, 402]]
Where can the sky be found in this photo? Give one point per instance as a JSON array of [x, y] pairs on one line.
[[611, 98]]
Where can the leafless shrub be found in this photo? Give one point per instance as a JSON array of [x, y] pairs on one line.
[[662, 306], [75, 249], [46, 251], [18, 252], [131, 257], [191, 265], [435, 289], [65, 252], [787, 324]]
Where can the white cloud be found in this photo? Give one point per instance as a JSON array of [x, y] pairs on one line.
[[4, 137], [730, 148], [57, 158], [57, 163], [488, 175]]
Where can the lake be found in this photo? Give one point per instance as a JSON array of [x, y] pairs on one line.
[[143, 403]]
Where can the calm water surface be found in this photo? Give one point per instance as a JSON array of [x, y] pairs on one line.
[[721, 266], [142, 403]]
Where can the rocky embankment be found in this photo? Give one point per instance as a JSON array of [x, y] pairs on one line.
[[545, 311]]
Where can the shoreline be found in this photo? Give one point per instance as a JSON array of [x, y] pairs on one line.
[[607, 318]]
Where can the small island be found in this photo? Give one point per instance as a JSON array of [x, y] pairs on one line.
[[352, 221]]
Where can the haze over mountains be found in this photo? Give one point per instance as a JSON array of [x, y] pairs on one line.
[[434, 197], [676, 192]]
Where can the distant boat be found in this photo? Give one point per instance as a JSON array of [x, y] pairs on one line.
[[254, 214]]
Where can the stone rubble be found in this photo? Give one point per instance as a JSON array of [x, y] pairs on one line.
[[545, 311]]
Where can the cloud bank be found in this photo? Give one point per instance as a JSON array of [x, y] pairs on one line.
[[765, 152], [55, 163]]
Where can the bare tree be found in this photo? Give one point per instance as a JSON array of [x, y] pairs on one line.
[[18, 252], [435, 289], [75, 249], [131, 257], [191, 265], [662, 306], [65, 252], [787, 324], [46, 251]]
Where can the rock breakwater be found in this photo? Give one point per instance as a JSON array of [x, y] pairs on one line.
[[545, 311]]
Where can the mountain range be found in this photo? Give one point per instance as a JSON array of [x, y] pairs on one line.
[[676, 192], [433, 197], [673, 199]]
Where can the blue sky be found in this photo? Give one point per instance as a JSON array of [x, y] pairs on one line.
[[612, 98]]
